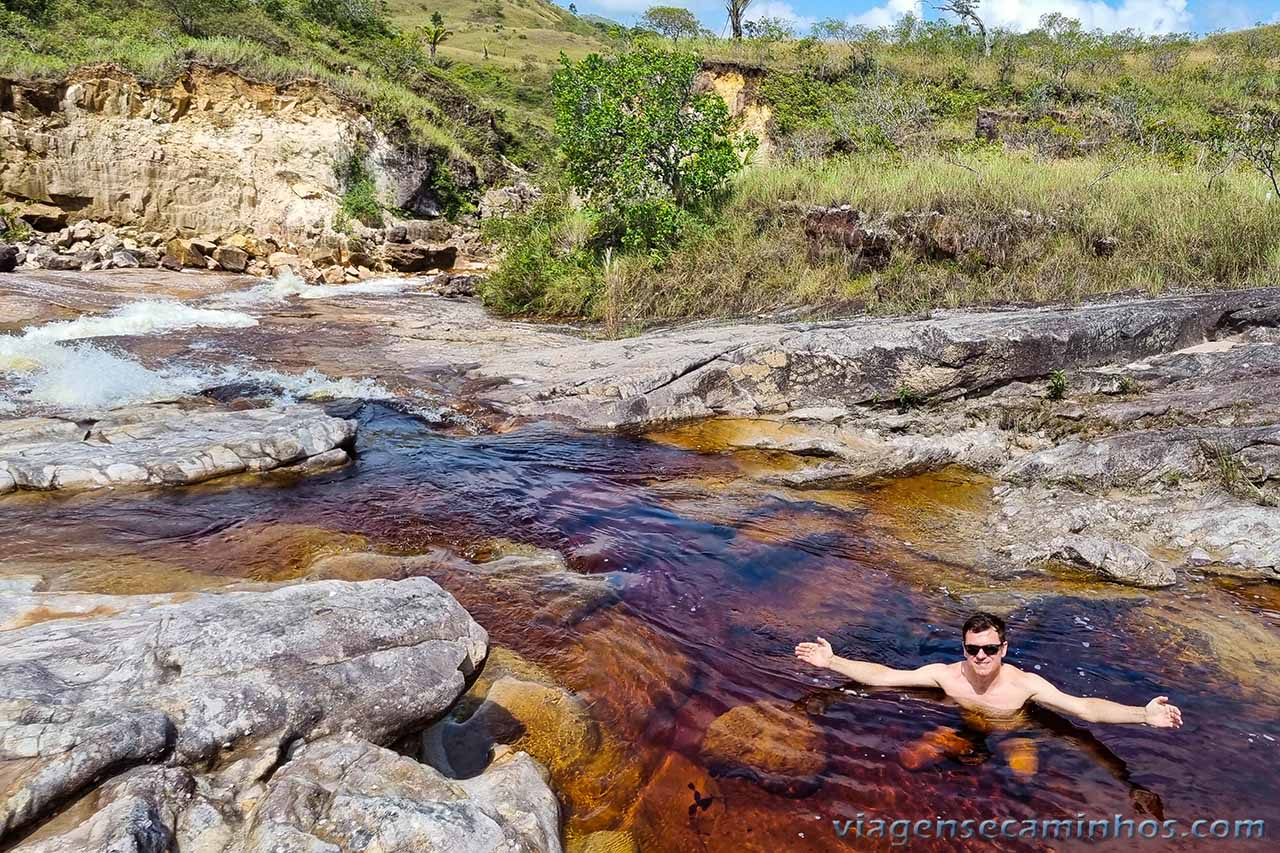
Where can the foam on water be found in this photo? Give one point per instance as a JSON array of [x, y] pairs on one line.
[[288, 285], [138, 318], [48, 366]]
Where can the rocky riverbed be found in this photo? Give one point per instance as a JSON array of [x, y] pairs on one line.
[[196, 649]]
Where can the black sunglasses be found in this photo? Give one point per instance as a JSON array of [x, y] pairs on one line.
[[972, 651]]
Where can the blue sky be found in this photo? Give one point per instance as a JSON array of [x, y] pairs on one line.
[[1150, 16]]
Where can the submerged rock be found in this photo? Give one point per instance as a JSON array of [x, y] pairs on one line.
[[778, 747], [166, 446]]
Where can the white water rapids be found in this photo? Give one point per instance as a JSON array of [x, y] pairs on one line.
[[52, 366]]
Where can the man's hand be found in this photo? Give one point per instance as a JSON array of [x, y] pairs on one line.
[[816, 654], [1161, 715]]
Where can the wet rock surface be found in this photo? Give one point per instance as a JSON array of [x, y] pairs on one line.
[[166, 445]]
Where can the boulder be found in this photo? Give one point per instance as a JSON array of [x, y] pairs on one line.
[[418, 257], [124, 259], [69, 262], [231, 258], [343, 793], [171, 262], [187, 253], [206, 679], [8, 258]]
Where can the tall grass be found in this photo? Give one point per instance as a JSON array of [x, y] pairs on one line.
[[1033, 228]]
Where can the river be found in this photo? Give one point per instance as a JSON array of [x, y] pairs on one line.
[[710, 575]]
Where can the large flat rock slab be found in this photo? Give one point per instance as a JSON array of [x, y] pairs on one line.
[[745, 370], [164, 445], [93, 685]]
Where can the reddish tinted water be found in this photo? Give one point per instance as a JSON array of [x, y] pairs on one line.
[[716, 739]]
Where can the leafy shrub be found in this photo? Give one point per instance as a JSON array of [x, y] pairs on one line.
[[353, 16], [546, 266], [360, 193], [632, 128], [454, 200]]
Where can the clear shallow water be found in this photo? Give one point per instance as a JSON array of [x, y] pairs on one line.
[[715, 581]]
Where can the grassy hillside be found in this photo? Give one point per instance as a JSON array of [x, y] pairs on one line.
[[357, 47], [1109, 163], [507, 50]]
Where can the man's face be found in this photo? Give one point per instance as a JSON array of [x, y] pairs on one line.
[[981, 660]]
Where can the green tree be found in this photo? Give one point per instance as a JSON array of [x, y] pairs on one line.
[[967, 12], [1064, 46], [736, 9], [193, 15], [769, 30], [633, 128], [673, 22], [434, 35], [1254, 137], [354, 16], [27, 8]]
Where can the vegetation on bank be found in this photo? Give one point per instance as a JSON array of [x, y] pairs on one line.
[[1107, 163]]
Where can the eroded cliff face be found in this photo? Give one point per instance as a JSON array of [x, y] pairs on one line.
[[211, 153], [736, 86]]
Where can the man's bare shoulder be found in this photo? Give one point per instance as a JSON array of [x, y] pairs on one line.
[[944, 671], [1029, 680]]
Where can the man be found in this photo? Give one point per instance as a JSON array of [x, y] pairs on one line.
[[984, 683]]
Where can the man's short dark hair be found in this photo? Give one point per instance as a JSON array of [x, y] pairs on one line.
[[982, 621]]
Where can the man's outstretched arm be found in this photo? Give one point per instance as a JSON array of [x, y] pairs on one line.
[[1158, 713], [865, 672]]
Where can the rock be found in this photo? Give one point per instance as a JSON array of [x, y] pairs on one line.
[[343, 793], [231, 258], [171, 262], [844, 231], [1239, 540], [1116, 560], [778, 747], [501, 202], [215, 676], [1105, 247], [188, 253], [8, 258], [177, 152], [427, 230], [334, 275], [397, 234], [124, 259], [749, 370], [70, 262], [284, 259], [418, 257], [161, 445], [1150, 456]]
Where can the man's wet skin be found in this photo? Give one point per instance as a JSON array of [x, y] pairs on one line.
[[982, 681], [998, 699]]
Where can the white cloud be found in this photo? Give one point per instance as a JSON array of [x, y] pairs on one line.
[[779, 9], [883, 16], [1148, 16]]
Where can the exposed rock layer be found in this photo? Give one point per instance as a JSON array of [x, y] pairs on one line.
[[167, 445]]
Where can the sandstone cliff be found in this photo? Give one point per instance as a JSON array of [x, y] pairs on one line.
[[737, 86], [210, 153]]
